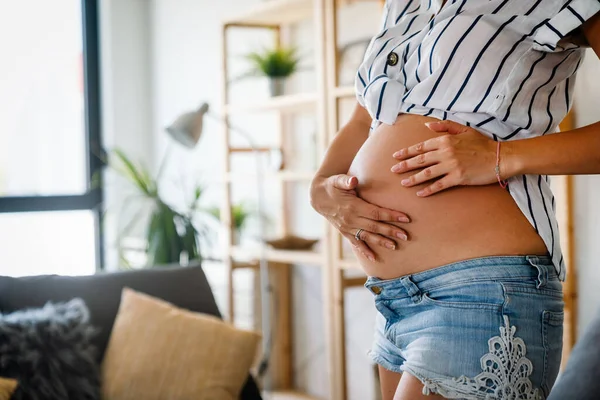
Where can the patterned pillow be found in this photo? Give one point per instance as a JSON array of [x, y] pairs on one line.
[[48, 351]]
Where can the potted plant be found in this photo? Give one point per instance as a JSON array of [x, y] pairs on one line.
[[240, 213], [171, 235], [276, 64]]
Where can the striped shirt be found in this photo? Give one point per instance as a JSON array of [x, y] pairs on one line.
[[504, 67]]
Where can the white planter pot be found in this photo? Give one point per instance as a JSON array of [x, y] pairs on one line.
[[276, 86]]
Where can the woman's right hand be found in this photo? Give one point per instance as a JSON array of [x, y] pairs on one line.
[[335, 198]]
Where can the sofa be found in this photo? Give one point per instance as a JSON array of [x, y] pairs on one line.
[[185, 287], [580, 378]]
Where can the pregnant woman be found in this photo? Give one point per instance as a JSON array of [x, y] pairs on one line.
[[440, 182]]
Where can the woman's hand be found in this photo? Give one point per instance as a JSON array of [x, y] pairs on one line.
[[462, 157], [335, 198]]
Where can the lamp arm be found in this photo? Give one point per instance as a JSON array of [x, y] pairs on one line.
[[266, 290], [242, 132]]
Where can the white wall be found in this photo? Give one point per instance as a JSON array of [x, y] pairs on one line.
[[587, 198], [126, 100], [186, 71]]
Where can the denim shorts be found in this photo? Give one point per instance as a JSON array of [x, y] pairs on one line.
[[484, 328]]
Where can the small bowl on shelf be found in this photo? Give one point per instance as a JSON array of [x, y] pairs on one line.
[[292, 242]]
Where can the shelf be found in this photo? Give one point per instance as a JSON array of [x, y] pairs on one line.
[[285, 103], [289, 395], [281, 256], [279, 12], [245, 265], [251, 150], [275, 12], [341, 92], [348, 263], [354, 282], [275, 18], [283, 176]]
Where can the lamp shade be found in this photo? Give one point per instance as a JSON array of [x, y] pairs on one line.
[[187, 128]]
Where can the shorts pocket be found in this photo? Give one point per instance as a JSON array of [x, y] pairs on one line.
[[466, 295], [392, 311], [552, 336]]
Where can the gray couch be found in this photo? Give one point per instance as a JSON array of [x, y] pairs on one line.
[[185, 287], [580, 379]]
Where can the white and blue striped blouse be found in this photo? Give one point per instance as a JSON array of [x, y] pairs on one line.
[[504, 67]]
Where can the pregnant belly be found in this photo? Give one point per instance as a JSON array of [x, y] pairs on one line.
[[456, 224]]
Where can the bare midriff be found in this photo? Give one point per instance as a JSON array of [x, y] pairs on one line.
[[453, 225]]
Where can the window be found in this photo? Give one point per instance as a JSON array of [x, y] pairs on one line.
[[50, 143]]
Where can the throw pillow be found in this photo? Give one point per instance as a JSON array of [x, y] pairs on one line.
[[7, 388], [186, 287], [158, 351], [48, 351]]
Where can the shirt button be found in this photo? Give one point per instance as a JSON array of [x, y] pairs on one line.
[[392, 59]]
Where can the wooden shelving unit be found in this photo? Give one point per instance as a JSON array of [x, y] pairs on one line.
[[290, 395], [279, 256], [284, 176], [274, 15], [338, 281], [341, 92], [279, 12], [347, 263], [565, 192], [287, 104], [277, 15]]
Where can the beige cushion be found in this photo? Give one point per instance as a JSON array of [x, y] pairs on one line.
[[7, 388], [158, 351]]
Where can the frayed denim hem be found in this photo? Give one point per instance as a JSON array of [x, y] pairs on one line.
[[379, 360]]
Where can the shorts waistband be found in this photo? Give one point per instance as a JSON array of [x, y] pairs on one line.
[[481, 268]]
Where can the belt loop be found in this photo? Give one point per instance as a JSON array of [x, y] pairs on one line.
[[542, 278], [413, 290]]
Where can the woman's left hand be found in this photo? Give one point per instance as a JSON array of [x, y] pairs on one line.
[[461, 157]]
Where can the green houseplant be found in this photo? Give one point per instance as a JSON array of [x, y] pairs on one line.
[[277, 64], [240, 213], [170, 234]]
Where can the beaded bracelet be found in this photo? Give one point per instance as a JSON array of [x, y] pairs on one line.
[[502, 182]]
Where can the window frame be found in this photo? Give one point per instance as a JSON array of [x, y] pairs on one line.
[[93, 198]]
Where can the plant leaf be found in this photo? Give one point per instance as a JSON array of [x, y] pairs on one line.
[[190, 241], [276, 63], [134, 174], [215, 212], [156, 252], [171, 235]]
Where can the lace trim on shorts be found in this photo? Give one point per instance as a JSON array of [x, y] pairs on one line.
[[505, 375]]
